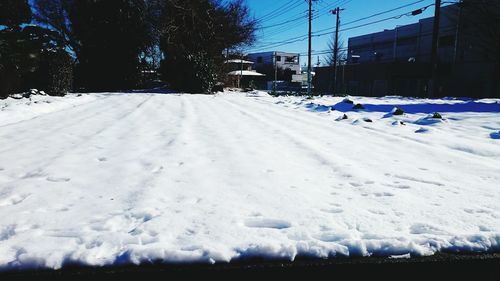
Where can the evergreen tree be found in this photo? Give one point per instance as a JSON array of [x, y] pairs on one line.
[[15, 60], [106, 36], [13, 13]]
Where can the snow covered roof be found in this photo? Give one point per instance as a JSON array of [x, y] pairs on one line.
[[239, 61], [245, 73]]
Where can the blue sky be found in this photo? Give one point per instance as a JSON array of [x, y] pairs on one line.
[[279, 11]]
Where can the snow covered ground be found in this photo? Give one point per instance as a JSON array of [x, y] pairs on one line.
[[118, 178]]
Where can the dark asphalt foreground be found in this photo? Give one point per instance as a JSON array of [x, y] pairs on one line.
[[443, 265]]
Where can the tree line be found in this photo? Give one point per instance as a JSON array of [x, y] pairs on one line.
[[108, 45]]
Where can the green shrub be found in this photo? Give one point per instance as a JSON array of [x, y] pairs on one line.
[[191, 73], [55, 73], [436, 115], [358, 106], [252, 85], [398, 111], [9, 81]]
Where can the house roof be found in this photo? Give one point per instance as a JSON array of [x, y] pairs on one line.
[[245, 73]]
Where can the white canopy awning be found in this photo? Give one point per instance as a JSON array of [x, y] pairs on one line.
[[239, 61], [245, 73]]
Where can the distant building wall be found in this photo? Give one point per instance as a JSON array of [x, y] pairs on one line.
[[397, 61], [408, 42], [280, 59]]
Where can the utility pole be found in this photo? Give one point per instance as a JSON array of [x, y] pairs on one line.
[[336, 48], [457, 33], [309, 78], [434, 87], [241, 71], [275, 71]]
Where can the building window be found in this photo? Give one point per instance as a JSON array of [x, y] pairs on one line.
[[291, 59], [259, 60], [446, 41]]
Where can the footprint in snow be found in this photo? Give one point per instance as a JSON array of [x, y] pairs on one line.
[[14, 199], [422, 228], [332, 236], [102, 159], [157, 169], [376, 212], [402, 186], [484, 228], [267, 223], [54, 179], [422, 130], [7, 232], [38, 173], [333, 210], [383, 194]]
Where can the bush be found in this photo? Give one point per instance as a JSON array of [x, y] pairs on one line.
[[9, 81], [55, 73], [192, 73], [436, 115], [252, 85], [358, 106], [397, 111]]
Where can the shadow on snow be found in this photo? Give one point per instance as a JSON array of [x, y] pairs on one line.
[[469, 106]]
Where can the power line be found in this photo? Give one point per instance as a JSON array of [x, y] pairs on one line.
[[319, 32], [384, 12], [285, 22], [290, 27], [286, 6]]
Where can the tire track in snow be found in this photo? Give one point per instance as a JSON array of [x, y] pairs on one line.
[[23, 137], [309, 146], [385, 136], [235, 135], [359, 176], [311, 149], [158, 151], [139, 186], [42, 115], [371, 146], [269, 179], [186, 173], [45, 162]]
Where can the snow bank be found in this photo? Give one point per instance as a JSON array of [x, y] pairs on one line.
[[106, 179], [13, 110]]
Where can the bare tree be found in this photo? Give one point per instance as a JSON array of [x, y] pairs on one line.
[[341, 52]]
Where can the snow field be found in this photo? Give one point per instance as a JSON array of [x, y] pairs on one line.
[[128, 178]]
